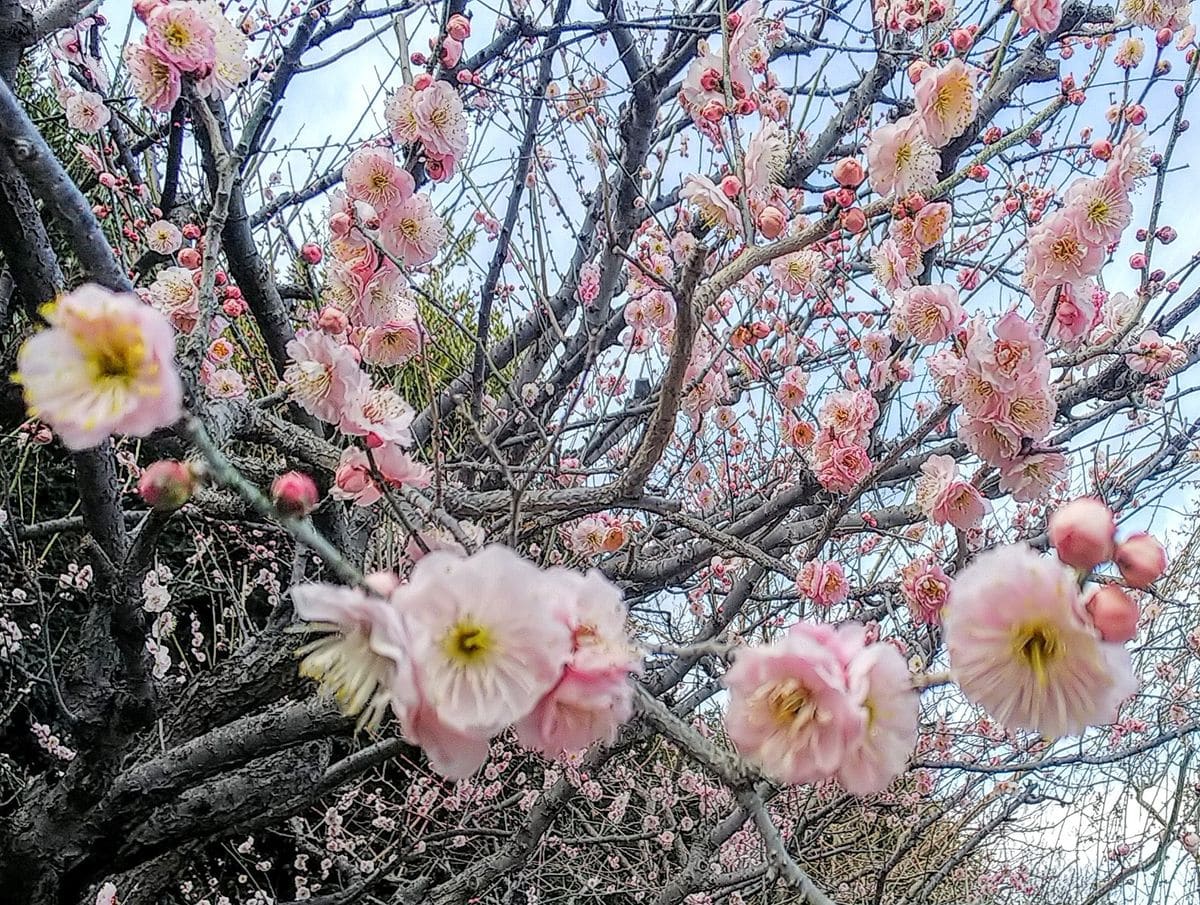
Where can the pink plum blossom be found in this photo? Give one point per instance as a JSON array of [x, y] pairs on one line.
[[594, 695], [490, 636], [790, 706], [946, 101], [1021, 645], [105, 365], [323, 375]]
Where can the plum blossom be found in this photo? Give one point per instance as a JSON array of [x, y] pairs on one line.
[[839, 467], [878, 681], [1154, 356], [156, 82], [947, 499], [715, 209], [929, 314], [1099, 209], [1038, 15], [412, 231], [163, 237], [323, 375], [490, 636], [353, 481], [593, 696], [849, 415], [87, 112], [824, 582], [373, 175], [790, 707], [946, 101], [105, 366], [1031, 476], [174, 293], [1022, 647], [377, 414], [765, 158], [361, 657], [925, 587], [440, 123], [900, 158], [178, 35]]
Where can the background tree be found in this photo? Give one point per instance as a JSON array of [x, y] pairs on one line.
[[768, 315]]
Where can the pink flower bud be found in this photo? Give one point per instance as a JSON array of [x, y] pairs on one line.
[[189, 258], [423, 81], [382, 583], [731, 186], [458, 27], [108, 180], [961, 39], [1191, 842], [848, 173], [915, 70], [853, 220], [843, 197], [1141, 559], [339, 224], [1135, 114], [712, 111], [771, 221], [1082, 533], [294, 494], [311, 253], [332, 320], [452, 52], [143, 8], [465, 76], [166, 485], [1113, 613], [1163, 37], [1102, 149], [1137, 261]]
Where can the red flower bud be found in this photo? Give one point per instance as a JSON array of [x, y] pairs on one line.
[[1082, 533], [848, 173], [1113, 613], [294, 494], [1141, 560], [166, 485]]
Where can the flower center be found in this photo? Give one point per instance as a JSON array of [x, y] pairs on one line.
[[176, 36], [1066, 250], [115, 360], [789, 704], [467, 642], [1038, 646], [1098, 211]]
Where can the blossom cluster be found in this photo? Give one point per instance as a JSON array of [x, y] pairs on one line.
[[185, 38], [430, 114], [1067, 248], [1033, 645], [1002, 382], [822, 703], [469, 646], [902, 157], [839, 451], [908, 16], [368, 318], [706, 94]]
